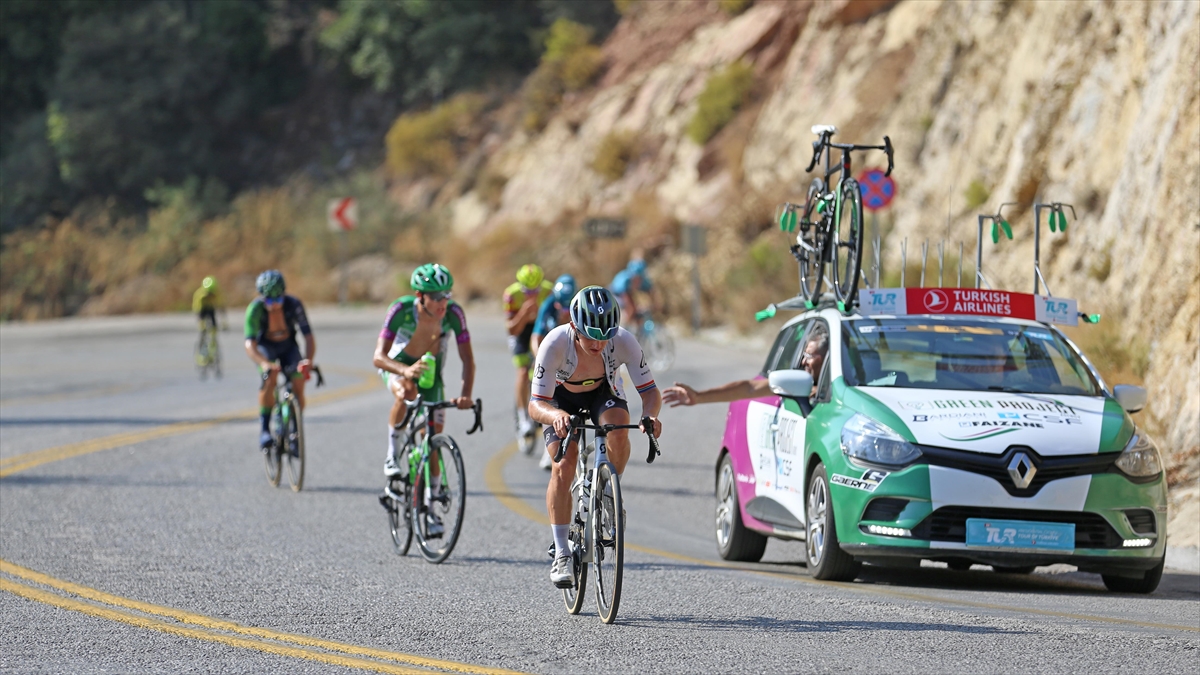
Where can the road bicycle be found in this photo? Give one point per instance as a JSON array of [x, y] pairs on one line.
[[526, 437], [656, 340], [287, 431], [830, 220], [432, 514], [208, 351], [600, 540]]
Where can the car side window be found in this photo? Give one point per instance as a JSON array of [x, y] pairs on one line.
[[814, 356], [787, 345]]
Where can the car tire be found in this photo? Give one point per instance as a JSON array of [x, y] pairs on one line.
[[1146, 584], [734, 540], [826, 559], [959, 564], [1024, 569]]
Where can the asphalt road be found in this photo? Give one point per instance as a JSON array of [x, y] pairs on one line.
[[138, 534]]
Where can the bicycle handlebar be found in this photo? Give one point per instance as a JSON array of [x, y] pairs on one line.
[[266, 377], [577, 423], [477, 408], [820, 145]]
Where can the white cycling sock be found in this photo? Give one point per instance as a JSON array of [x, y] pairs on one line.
[[393, 435], [561, 547]]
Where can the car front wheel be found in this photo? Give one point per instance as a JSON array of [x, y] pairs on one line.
[[826, 560], [1146, 584], [734, 540]]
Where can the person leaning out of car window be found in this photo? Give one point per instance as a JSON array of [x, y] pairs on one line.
[[811, 360]]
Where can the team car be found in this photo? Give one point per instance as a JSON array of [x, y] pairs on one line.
[[976, 433]]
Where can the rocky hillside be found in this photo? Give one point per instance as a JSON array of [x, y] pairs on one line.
[[1090, 103]]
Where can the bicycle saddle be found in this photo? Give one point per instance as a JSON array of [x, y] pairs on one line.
[[819, 129]]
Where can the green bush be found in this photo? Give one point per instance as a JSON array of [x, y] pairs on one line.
[[426, 143], [976, 195], [734, 7], [723, 95], [614, 154], [570, 63]]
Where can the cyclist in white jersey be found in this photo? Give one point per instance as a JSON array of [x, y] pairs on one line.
[[577, 370]]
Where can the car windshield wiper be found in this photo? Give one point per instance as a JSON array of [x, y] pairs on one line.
[[1011, 390]]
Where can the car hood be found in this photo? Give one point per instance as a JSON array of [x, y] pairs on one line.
[[991, 422]]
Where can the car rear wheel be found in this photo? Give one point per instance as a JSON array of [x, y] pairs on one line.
[[734, 540], [826, 560], [1146, 584], [1024, 569]]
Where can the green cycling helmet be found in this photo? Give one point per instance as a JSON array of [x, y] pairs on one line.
[[209, 283], [431, 278], [270, 284], [530, 276]]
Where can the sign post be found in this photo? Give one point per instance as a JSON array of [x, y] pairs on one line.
[[694, 242], [342, 216], [878, 190], [604, 228]]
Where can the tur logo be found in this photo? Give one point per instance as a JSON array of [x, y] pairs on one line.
[[883, 299], [996, 535], [1053, 307]]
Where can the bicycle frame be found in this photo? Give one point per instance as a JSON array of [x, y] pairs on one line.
[[419, 416]]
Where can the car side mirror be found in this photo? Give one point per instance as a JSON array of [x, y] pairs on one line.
[[794, 384], [1131, 398]]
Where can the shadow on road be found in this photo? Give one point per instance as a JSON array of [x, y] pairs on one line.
[[773, 625]]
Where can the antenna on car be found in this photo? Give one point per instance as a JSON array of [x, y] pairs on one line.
[[998, 224], [1057, 218]]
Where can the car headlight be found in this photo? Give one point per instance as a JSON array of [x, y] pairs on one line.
[[1140, 458], [865, 439]]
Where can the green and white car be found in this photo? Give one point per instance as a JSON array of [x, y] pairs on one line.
[[961, 438]]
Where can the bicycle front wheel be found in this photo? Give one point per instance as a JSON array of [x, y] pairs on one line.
[[660, 349], [608, 539], [811, 240], [398, 518], [848, 240], [573, 597], [293, 447], [439, 499], [273, 456]]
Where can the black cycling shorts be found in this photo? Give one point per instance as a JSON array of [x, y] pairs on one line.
[[287, 353], [208, 315], [591, 402]]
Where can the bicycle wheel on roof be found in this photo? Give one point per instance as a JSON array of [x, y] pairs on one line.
[[846, 255]]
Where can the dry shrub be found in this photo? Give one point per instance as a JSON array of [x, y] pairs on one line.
[[734, 7], [429, 143], [1119, 361], [724, 92], [490, 186], [570, 63], [613, 154]]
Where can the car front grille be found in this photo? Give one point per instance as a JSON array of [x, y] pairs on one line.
[[949, 523], [996, 466]]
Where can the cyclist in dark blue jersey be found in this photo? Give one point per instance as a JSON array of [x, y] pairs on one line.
[[272, 321]]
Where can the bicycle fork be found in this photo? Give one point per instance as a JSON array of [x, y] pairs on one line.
[[585, 510]]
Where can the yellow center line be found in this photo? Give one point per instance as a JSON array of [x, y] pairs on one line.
[[18, 463], [261, 640], [494, 479]]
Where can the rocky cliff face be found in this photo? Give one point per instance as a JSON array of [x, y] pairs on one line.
[[1090, 103]]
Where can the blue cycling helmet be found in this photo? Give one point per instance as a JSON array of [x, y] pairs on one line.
[[595, 313], [564, 289], [270, 284], [637, 267]]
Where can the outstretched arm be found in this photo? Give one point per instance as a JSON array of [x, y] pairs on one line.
[[682, 394]]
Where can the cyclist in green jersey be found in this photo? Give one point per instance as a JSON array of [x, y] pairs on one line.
[[417, 324], [272, 321], [206, 301]]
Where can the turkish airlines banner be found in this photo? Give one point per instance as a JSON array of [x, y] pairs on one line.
[[969, 301]]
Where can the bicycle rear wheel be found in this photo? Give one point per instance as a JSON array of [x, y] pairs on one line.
[[202, 357], [608, 553], [811, 240], [847, 244], [573, 597], [445, 507], [293, 448]]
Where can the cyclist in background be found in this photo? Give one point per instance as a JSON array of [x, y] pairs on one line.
[[591, 349], [555, 311], [521, 303], [416, 324], [632, 278], [272, 321], [206, 301]]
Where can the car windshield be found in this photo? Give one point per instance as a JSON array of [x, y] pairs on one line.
[[966, 354]]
